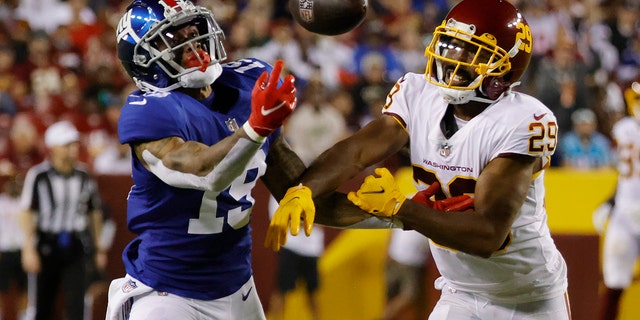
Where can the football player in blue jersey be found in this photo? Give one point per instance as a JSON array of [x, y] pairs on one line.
[[202, 133]]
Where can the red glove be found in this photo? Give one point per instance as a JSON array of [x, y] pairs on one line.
[[462, 203], [458, 203], [424, 196], [270, 105]]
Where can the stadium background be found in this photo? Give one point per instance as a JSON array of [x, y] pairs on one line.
[[352, 267]]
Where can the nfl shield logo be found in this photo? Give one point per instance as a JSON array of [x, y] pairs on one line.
[[445, 150], [130, 285], [306, 15], [232, 124], [305, 8]]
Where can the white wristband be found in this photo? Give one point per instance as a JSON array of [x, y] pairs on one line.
[[253, 135]]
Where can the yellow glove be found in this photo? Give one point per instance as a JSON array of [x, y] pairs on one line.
[[297, 204], [379, 196]]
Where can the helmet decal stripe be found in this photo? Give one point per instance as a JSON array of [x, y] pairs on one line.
[[169, 3], [170, 6], [126, 30]]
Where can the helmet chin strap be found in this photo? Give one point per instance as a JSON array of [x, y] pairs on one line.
[[199, 79], [486, 100], [148, 87], [454, 96], [458, 96], [195, 79]]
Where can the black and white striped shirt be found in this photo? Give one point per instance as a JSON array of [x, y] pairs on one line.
[[61, 202]]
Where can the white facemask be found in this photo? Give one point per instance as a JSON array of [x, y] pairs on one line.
[[199, 79]]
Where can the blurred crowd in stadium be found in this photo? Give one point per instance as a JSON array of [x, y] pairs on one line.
[[58, 61]]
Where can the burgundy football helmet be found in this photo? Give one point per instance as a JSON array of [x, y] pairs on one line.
[[480, 50], [632, 99]]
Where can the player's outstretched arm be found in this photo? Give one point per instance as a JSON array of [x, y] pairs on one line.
[[499, 194], [380, 195], [270, 104], [374, 143], [478, 225], [190, 164], [284, 168], [194, 165]]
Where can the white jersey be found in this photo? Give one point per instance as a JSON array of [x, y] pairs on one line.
[[626, 133], [529, 267], [11, 234], [622, 239]]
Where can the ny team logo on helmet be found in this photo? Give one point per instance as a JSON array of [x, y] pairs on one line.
[[148, 54], [498, 40]]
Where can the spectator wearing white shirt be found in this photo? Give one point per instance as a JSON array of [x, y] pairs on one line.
[[11, 240]]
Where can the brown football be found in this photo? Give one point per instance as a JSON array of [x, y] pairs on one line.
[[328, 17]]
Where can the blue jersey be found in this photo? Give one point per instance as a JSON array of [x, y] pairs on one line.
[[192, 243]]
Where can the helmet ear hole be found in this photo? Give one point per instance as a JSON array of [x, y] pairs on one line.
[[493, 87], [507, 77]]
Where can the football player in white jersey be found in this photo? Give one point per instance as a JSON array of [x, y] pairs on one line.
[[622, 237], [470, 135]]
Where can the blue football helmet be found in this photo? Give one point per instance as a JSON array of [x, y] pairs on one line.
[[152, 57]]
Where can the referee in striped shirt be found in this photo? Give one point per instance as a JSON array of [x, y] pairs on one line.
[[62, 222]]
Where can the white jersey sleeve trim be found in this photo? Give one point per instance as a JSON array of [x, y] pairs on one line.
[[229, 168]]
